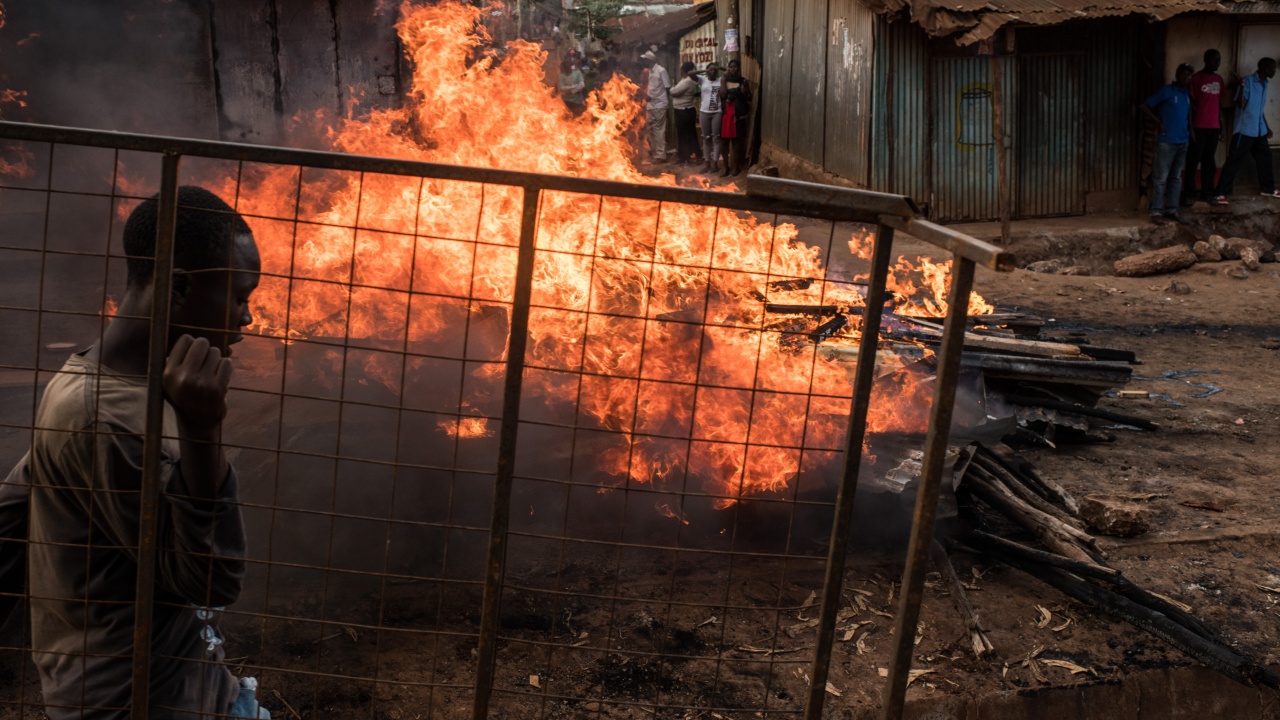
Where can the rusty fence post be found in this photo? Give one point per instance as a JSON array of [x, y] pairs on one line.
[[504, 476], [935, 455], [149, 500], [864, 378]]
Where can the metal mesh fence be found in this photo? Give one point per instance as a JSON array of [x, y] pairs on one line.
[[506, 445]]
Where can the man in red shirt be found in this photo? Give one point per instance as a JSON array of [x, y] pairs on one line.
[[1206, 129]]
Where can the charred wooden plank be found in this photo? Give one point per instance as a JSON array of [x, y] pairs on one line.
[[1023, 468], [793, 284], [829, 328], [1014, 483], [1083, 410], [1023, 515], [1105, 353], [1034, 348], [818, 310], [985, 541], [1096, 373]]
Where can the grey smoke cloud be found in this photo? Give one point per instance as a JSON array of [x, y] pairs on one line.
[[127, 66]]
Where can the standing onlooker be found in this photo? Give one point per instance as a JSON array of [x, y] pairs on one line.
[[572, 86], [684, 99], [595, 71], [735, 94], [709, 116], [1206, 129], [1251, 134], [659, 84], [1170, 107]]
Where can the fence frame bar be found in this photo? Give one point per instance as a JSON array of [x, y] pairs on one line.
[[838, 549], [935, 455], [149, 502], [504, 480]]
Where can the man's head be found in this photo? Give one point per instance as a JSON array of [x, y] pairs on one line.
[[648, 59], [1266, 68], [215, 265], [1182, 76], [687, 67], [1212, 60]]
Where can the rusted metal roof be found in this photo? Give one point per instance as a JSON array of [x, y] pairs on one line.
[[664, 26], [971, 21]]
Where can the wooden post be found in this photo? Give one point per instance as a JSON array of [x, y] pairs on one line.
[[1002, 167], [731, 30]]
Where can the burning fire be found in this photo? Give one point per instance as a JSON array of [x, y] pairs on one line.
[[622, 291], [648, 321]]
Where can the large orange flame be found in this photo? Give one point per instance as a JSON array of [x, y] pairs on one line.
[[648, 321]]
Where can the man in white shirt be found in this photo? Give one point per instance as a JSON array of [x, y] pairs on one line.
[[656, 108]]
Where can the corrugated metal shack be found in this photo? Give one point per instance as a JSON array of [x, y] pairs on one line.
[[900, 95]]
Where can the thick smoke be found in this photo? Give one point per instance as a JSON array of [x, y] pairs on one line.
[[133, 67]]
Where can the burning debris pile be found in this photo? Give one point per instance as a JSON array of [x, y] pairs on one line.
[[1039, 391]]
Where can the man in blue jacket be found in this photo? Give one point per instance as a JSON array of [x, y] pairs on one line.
[[1170, 107]]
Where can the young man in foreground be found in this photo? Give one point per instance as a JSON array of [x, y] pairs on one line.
[[85, 475]]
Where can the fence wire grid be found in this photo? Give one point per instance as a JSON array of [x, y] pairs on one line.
[[507, 444]]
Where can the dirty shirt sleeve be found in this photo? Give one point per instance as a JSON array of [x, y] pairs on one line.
[[201, 542]]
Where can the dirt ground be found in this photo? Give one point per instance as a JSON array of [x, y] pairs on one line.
[[732, 634]]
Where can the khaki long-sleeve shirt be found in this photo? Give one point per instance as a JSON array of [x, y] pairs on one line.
[[85, 472]]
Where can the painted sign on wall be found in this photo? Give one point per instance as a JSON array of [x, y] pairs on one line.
[[699, 46]]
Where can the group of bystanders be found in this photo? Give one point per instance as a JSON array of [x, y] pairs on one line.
[[705, 103], [1189, 114]]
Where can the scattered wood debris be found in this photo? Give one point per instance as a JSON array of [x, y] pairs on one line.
[[1065, 665], [1046, 617]]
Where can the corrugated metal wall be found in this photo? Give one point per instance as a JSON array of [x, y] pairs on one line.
[[1051, 132], [1111, 92], [922, 126], [848, 94], [775, 90], [900, 110], [964, 145], [805, 134]]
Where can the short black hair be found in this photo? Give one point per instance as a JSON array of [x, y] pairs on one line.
[[1211, 52], [1184, 67], [1266, 62], [686, 66], [206, 232]]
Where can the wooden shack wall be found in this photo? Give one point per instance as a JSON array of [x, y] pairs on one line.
[[816, 84], [254, 71]]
